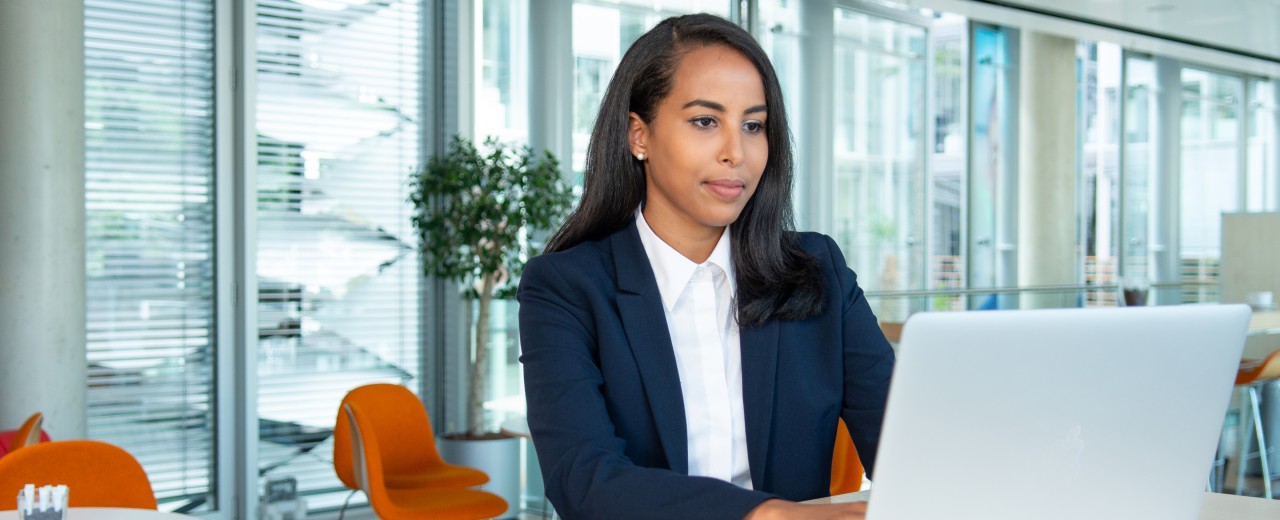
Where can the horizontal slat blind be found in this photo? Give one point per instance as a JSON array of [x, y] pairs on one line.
[[338, 109], [149, 210]]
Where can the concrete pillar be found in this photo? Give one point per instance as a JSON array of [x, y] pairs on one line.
[[42, 262], [1047, 167]]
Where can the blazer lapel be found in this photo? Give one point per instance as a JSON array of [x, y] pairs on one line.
[[645, 322], [759, 375]]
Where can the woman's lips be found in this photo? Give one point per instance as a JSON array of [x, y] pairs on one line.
[[725, 188]]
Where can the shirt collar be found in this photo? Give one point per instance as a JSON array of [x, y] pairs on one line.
[[673, 270]]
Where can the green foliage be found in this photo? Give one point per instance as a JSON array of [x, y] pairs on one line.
[[474, 209], [474, 212]]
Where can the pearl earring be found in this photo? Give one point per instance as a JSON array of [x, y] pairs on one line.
[[640, 156]]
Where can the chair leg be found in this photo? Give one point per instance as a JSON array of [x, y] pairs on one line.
[[1263, 454], [343, 512], [1213, 484], [1243, 460]]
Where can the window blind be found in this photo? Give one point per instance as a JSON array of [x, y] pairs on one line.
[[149, 238], [338, 113]]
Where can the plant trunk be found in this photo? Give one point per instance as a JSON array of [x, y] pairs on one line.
[[480, 368]]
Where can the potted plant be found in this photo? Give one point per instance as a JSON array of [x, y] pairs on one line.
[[474, 211]]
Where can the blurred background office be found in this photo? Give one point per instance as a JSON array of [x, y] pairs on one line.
[[205, 237]]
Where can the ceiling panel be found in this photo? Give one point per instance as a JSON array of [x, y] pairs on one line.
[[1249, 26]]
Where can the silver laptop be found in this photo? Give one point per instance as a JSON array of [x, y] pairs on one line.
[[1057, 414]]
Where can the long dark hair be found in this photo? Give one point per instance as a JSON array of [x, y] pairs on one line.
[[775, 277]]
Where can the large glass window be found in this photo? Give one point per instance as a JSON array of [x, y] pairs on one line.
[[782, 36], [502, 111], [947, 160], [1210, 179], [1141, 156], [877, 196], [1099, 160], [149, 227], [338, 113], [502, 74], [992, 254], [1263, 145]]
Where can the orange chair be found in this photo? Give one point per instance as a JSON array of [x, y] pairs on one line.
[[846, 467], [1252, 375], [405, 434], [406, 503], [892, 331], [28, 433], [98, 474]]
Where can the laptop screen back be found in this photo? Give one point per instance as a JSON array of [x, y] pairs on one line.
[[1057, 414]]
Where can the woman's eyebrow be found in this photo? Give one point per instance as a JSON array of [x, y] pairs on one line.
[[720, 108]]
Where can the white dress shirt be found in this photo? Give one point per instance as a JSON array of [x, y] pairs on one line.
[[698, 301]]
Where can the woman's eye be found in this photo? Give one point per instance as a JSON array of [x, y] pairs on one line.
[[703, 122], [753, 127]]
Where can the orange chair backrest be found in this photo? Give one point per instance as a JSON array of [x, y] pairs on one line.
[[1253, 372], [892, 330], [399, 420], [846, 467], [98, 474], [29, 432], [1265, 370], [366, 458], [365, 442]]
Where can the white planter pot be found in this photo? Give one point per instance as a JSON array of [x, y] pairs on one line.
[[499, 458]]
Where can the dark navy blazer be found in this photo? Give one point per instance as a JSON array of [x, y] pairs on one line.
[[605, 406]]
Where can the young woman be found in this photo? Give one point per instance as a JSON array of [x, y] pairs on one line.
[[686, 354]]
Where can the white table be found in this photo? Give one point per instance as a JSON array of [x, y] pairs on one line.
[[1217, 506], [1264, 322], [107, 513]]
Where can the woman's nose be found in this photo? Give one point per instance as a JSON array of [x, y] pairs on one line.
[[731, 151]]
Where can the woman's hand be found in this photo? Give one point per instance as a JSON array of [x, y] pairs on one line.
[[776, 509]]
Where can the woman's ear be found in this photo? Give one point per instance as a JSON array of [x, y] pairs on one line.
[[637, 135]]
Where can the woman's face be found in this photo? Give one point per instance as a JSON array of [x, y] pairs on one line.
[[705, 148]]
